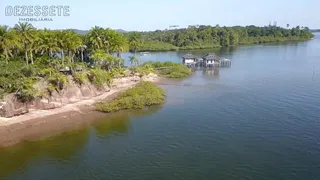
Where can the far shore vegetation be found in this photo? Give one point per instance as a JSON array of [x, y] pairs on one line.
[[31, 56], [144, 94], [204, 37]]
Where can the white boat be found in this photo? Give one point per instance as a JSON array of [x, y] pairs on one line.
[[145, 53]]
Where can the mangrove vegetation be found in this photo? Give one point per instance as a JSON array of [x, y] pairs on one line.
[[200, 37], [144, 94], [169, 69]]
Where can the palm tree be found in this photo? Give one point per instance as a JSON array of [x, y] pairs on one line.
[[34, 45], [135, 42], [134, 61], [73, 44], [8, 41], [62, 39], [111, 61], [95, 38], [48, 42], [82, 48], [108, 39], [120, 44], [119, 61], [101, 59], [26, 34]]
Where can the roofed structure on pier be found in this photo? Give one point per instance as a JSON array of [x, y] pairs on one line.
[[210, 59], [189, 59]]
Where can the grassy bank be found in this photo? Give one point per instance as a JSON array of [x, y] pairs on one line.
[[169, 69], [142, 95]]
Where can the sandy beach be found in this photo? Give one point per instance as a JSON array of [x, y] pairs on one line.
[[41, 123]]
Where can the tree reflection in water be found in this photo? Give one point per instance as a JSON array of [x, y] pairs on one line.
[[58, 148], [65, 146]]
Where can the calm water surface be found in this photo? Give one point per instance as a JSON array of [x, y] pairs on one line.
[[259, 119]]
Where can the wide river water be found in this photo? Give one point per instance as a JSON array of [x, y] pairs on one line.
[[258, 119]]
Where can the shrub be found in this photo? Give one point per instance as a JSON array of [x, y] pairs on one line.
[[11, 70], [58, 80], [77, 66], [25, 95], [144, 69], [80, 78], [115, 72], [19, 79], [44, 61], [2, 94], [47, 72], [142, 95], [7, 84], [51, 88], [29, 71], [26, 92], [99, 77], [178, 71]]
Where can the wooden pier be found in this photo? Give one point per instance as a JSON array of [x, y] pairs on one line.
[[208, 61]]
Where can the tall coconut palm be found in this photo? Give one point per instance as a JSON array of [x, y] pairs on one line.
[[95, 38], [49, 42], [8, 41], [25, 31], [134, 61], [74, 44], [82, 48], [108, 38], [119, 44], [119, 62], [135, 41], [34, 45], [114, 41], [62, 40]]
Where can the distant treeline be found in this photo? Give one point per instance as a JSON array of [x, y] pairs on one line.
[[315, 30], [208, 37]]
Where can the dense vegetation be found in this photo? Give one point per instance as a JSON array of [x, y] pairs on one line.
[[30, 56], [142, 95], [208, 37]]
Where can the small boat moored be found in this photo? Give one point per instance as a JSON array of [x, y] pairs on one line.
[[145, 53]]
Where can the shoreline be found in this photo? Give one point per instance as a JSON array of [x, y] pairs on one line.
[[41, 123], [219, 46]]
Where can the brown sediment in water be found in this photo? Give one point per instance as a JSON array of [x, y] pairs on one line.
[[43, 123], [41, 127]]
